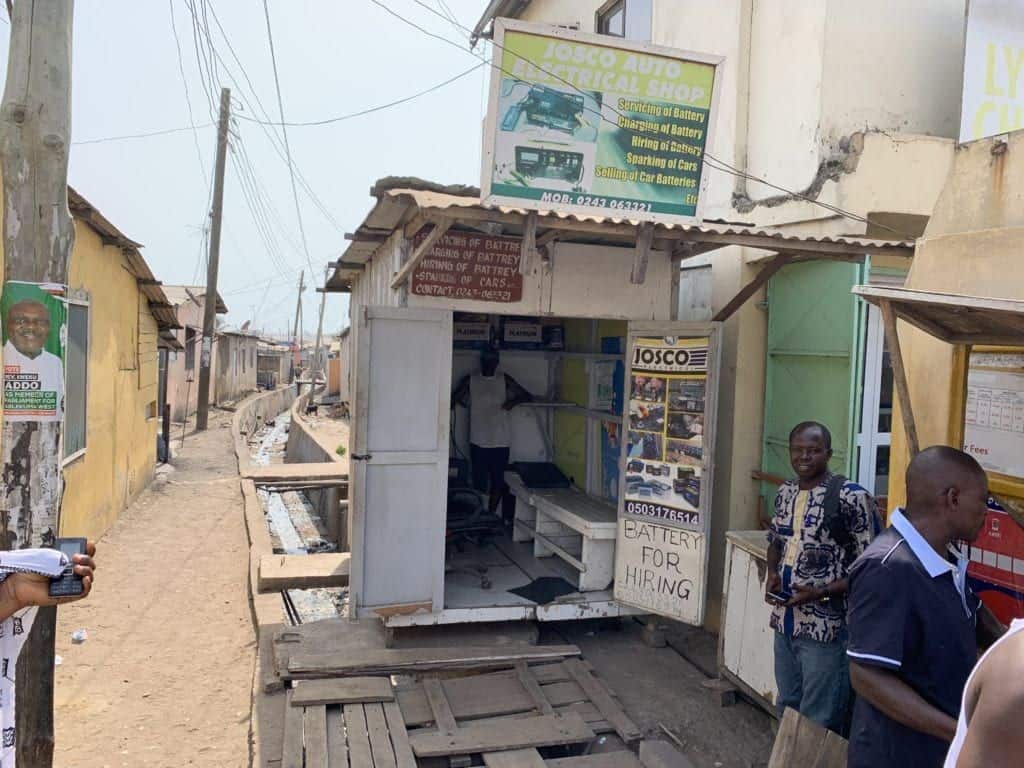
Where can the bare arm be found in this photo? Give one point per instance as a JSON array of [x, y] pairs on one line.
[[898, 701], [995, 737], [517, 394], [23, 590], [461, 394]]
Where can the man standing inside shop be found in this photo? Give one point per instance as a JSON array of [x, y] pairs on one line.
[[915, 624], [822, 523], [489, 395]]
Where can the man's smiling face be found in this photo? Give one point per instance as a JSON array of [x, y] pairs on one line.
[[28, 326]]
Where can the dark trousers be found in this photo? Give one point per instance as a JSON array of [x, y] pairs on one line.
[[489, 470]]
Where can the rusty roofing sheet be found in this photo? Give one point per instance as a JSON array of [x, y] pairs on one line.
[[393, 207], [430, 200]]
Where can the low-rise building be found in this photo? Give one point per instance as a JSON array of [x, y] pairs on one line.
[[118, 320], [236, 365], [273, 365], [183, 365]]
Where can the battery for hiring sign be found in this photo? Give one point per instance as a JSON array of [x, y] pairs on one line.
[[671, 356]]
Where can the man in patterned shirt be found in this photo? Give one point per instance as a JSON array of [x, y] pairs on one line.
[[821, 525]]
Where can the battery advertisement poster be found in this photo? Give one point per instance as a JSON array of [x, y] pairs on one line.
[[661, 546], [596, 125], [665, 454], [34, 329]]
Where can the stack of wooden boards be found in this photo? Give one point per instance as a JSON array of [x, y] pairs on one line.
[[345, 710]]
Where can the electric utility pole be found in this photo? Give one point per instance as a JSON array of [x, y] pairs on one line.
[[297, 353], [210, 301], [35, 136], [320, 329]]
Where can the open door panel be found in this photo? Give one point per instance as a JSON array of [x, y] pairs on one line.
[[667, 443]]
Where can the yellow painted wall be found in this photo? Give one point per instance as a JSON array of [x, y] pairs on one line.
[[972, 245], [120, 454]]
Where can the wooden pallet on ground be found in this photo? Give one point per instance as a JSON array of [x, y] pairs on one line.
[[543, 689], [368, 735]]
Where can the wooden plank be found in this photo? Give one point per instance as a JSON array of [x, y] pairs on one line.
[[359, 753], [337, 748], [528, 246], [514, 758], [762, 277], [605, 760], [532, 687], [602, 699], [899, 374], [487, 696], [399, 737], [380, 741], [383, 661], [644, 240], [291, 755], [314, 736], [439, 706], [280, 572], [342, 690], [541, 731], [803, 742], [316, 470], [441, 225]]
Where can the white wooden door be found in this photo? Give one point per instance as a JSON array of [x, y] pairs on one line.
[[667, 468], [400, 460]]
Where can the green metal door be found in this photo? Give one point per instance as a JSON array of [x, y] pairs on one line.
[[814, 351]]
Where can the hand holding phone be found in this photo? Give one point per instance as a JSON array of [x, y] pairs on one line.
[[68, 584]]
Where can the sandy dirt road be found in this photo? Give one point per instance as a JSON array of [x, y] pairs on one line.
[[165, 676]]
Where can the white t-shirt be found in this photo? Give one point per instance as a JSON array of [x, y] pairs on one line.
[[488, 419], [33, 387], [13, 633]]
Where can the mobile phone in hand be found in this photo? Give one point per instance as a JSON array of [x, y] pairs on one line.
[[68, 584], [782, 597]]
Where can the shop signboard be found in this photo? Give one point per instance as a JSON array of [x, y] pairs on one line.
[[471, 267], [597, 125], [993, 88], [661, 555], [994, 435]]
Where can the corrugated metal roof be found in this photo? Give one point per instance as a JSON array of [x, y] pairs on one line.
[[393, 206], [179, 294]]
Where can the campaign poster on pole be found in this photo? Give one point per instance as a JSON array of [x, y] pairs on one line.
[[34, 320], [597, 125], [661, 548]]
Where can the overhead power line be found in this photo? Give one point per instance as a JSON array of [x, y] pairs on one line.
[[284, 133], [369, 110], [148, 135], [715, 164]]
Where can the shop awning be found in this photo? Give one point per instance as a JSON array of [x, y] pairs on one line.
[[412, 203], [953, 317]]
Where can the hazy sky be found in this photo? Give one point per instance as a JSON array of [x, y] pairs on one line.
[[333, 58]]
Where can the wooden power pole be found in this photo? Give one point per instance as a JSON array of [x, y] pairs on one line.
[[297, 354], [210, 301], [317, 364], [35, 136]]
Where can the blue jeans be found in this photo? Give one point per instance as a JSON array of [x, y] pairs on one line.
[[814, 679]]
